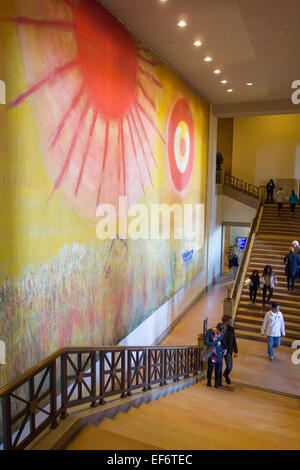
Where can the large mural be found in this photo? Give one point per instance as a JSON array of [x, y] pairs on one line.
[[92, 115]]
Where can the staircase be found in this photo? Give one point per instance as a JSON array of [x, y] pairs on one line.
[[271, 245], [199, 417]]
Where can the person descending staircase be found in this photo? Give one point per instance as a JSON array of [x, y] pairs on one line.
[[272, 243]]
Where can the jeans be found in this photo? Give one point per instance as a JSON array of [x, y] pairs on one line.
[[228, 362], [218, 371], [265, 289], [293, 207], [273, 342], [291, 281]]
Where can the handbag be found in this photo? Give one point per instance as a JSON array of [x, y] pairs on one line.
[[208, 353]]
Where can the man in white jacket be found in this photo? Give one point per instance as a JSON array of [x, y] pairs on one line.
[[273, 326]]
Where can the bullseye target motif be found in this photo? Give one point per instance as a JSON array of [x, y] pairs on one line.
[[181, 147]]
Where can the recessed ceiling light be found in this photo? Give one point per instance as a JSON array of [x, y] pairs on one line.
[[197, 43], [230, 90], [208, 59], [224, 82], [217, 71], [181, 24], [249, 84]]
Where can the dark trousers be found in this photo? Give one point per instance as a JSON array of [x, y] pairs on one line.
[[253, 293], [265, 289], [269, 196], [228, 362], [293, 206], [291, 281], [218, 371]]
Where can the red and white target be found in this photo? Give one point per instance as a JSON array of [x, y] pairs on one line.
[[181, 147]]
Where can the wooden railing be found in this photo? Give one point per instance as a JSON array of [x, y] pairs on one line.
[[240, 276], [87, 375], [241, 185]]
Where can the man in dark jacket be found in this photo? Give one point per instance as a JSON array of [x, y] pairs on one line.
[[292, 263], [214, 340], [230, 341]]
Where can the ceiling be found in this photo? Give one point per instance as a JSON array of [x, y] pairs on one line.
[[249, 40]]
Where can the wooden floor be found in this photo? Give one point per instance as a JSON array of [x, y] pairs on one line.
[[252, 365], [235, 417], [231, 418]]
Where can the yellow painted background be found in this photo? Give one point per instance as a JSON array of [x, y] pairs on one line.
[[46, 301]]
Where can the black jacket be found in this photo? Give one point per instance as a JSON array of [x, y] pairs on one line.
[[230, 340], [292, 262], [220, 343], [255, 281]]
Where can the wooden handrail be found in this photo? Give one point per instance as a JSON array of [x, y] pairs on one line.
[[243, 262], [241, 185], [120, 370]]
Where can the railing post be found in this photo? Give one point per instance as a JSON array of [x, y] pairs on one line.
[[101, 377], [149, 371], [187, 357], [165, 367], [53, 403], [6, 424], [64, 385], [93, 379], [123, 377], [129, 393]]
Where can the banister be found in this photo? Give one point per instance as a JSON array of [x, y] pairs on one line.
[[241, 185], [121, 370], [239, 279]]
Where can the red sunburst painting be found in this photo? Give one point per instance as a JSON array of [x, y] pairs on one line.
[[94, 90]]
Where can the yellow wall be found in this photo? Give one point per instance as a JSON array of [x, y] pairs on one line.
[[266, 147], [224, 142], [55, 289]]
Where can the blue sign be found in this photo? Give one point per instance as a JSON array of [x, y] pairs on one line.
[[242, 242]]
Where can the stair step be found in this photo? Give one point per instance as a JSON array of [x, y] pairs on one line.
[[287, 309], [290, 327], [256, 329], [93, 438], [244, 312], [245, 334]]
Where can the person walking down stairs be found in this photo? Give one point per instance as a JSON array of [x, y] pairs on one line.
[[293, 200], [254, 285], [292, 264], [280, 198], [232, 349], [217, 348], [269, 281], [274, 327]]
